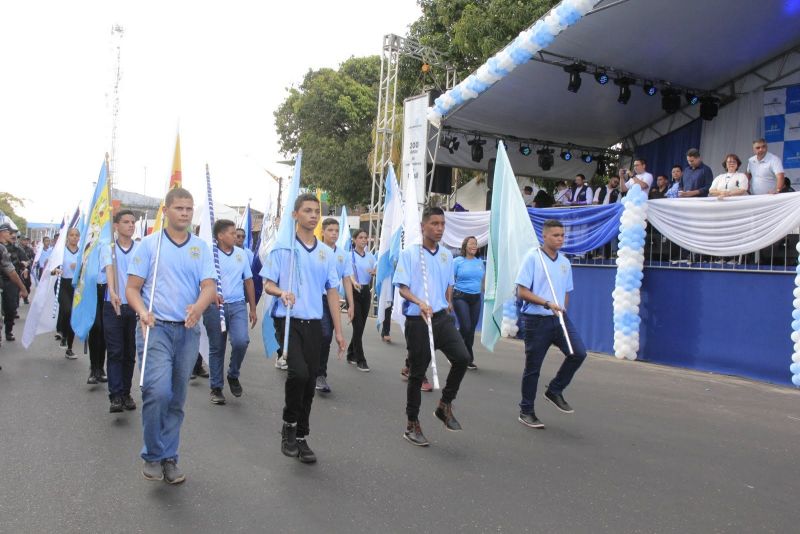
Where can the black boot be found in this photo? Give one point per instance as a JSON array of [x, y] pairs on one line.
[[289, 440]]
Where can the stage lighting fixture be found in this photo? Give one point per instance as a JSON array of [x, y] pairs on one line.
[[451, 143], [691, 98], [624, 89], [670, 100], [525, 150], [649, 89], [574, 71], [709, 107], [601, 77], [477, 148], [545, 158], [566, 155], [586, 157]]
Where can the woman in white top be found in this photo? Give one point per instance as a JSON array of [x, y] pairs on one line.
[[731, 183], [563, 194]]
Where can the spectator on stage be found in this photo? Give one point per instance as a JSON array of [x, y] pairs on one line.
[[787, 186], [731, 183], [543, 199], [608, 194], [563, 194], [677, 176], [527, 195], [661, 188], [764, 170], [697, 176], [581, 192], [638, 176]]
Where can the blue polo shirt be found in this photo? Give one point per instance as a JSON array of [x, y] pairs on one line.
[[361, 265], [314, 273], [344, 267], [43, 257], [469, 274], [234, 269], [181, 268], [439, 265], [124, 258], [69, 263], [697, 179], [532, 276]]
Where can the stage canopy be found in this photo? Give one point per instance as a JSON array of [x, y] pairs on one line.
[[729, 48]]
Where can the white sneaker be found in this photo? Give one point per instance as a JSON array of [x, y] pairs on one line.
[[280, 363]]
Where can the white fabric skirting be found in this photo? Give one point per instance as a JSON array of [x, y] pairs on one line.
[[461, 224], [735, 225]]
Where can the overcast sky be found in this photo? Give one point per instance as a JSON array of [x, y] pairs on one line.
[[219, 69]]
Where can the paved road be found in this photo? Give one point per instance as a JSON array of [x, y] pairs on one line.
[[649, 449]]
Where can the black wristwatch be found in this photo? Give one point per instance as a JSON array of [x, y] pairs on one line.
[[546, 305]]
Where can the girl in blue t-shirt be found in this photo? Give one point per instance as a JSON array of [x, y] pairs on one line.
[[363, 271], [469, 273], [66, 292]]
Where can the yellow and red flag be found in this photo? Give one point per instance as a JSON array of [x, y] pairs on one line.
[[175, 180]]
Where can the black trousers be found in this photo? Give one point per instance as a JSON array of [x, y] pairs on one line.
[[65, 294], [361, 303], [445, 338], [302, 357], [386, 325], [97, 340], [10, 304]]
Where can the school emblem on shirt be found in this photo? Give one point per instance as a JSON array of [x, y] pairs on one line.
[[563, 269], [238, 257], [340, 258], [322, 255], [137, 260], [194, 252], [443, 259]]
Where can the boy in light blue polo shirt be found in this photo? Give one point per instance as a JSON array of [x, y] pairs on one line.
[[540, 321], [236, 281], [184, 287]]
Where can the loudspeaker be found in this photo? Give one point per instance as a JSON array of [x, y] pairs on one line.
[[442, 179]]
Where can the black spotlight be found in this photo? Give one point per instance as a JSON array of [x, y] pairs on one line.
[[670, 100], [586, 157], [566, 155], [601, 77], [545, 158], [691, 98], [525, 150], [451, 143], [574, 71], [477, 148], [649, 89], [709, 107], [624, 89]]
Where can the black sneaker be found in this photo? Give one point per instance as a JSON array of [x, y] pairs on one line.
[[58, 337], [235, 386], [305, 454], [172, 473], [530, 420], [10, 337], [289, 440], [202, 372], [63, 342], [116, 405], [351, 361], [472, 367], [92, 377], [152, 471], [444, 412], [322, 385], [70, 355], [101, 376], [216, 396], [194, 373], [128, 403], [557, 399], [414, 434], [362, 366]]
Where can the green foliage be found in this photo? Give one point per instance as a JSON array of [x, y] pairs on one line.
[[8, 203]]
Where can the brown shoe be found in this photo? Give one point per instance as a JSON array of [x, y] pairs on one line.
[[444, 412], [414, 434]]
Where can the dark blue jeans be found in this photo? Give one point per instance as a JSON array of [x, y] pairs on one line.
[[236, 323], [468, 309], [120, 337], [540, 332]]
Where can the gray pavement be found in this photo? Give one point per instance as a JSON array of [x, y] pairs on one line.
[[649, 449]]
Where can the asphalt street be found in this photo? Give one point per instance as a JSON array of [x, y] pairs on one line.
[[649, 449]]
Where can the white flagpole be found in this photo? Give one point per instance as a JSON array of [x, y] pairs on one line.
[[555, 299], [152, 295], [289, 307], [428, 319]]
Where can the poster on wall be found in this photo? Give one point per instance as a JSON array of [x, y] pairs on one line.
[[782, 128], [415, 136]]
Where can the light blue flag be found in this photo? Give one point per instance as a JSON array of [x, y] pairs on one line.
[[389, 245], [95, 234], [510, 238], [344, 241], [247, 226], [285, 239]]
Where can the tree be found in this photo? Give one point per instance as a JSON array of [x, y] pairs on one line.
[[8, 205]]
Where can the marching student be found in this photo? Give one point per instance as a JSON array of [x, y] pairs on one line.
[[66, 291], [412, 277], [119, 319], [540, 322], [240, 235], [297, 276], [344, 270], [238, 293], [183, 289], [363, 270]]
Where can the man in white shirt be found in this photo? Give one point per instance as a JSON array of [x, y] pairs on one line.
[[639, 176], [527, 196], [764, 170]]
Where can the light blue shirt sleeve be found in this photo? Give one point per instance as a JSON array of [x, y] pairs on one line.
[[140, 263]]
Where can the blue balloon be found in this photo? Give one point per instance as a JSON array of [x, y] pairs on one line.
[[795, 314], [543, 38], [796, 380], [519, 55], [795, 368], [495, 69], [795, 325]]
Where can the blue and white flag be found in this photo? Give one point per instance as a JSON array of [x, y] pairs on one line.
[[345, 240], [389, 245], [247, 226], [412, 235], [508, 245]]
